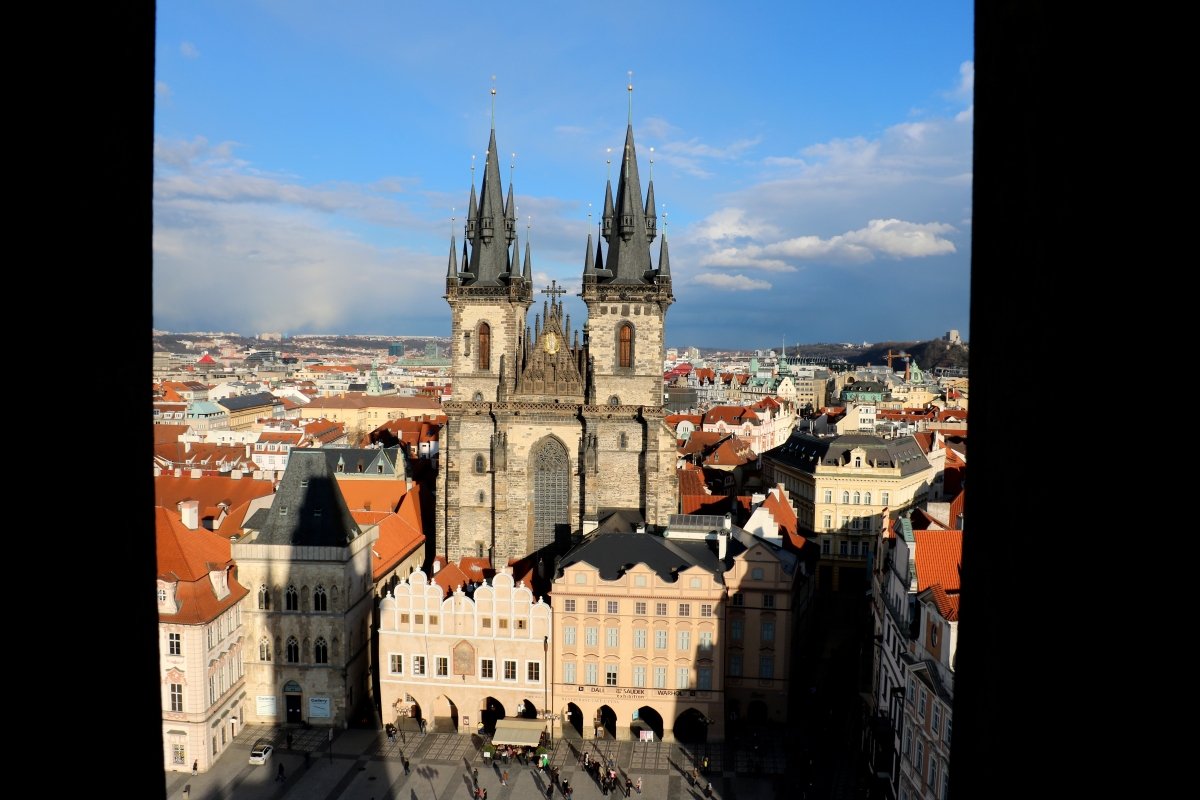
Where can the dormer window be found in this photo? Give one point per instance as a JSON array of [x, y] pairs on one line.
[[162, 595]]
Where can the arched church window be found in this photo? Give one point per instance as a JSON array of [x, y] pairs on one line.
[[623, 440], [485, 346], [626, 346], [480, 466], [614, 401], [320, 651], [481, 497], [293, 650], [551, 469], [479, 397], [264, 598], [293, 599], [264, 649]]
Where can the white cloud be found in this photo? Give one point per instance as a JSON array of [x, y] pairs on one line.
[[891, 238], [163, 92], [189, 50], [966, 83], [732, 283], [966, 115], [688, 155]]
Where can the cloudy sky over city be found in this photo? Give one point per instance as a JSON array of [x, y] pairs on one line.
[[812, 161]]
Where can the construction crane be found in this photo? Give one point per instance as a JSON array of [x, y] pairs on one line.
[[890, 355]]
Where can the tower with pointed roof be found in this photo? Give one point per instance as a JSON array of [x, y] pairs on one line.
[[550, 433]]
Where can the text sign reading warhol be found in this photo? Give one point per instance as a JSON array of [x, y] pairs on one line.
[[266, 705], [318, 707]]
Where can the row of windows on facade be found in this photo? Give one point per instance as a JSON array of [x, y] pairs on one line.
[[581, 579], [216, 631], [441, 668], [849, 523], [297, 600], [846, 548], [486, 622], [591, 636], [220, 681], [293, 650], [928, 766], [640, 609], [858, 498]]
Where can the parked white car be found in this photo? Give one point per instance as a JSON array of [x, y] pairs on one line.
[[261, 753]]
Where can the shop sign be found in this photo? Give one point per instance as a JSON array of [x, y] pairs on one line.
[[265, 705], [318, 707]]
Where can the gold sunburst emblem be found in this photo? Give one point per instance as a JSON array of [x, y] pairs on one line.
[[551, 343]]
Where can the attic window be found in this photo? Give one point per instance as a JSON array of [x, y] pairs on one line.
[[283, 511], [316, 512], [304, 484], [341, 467]]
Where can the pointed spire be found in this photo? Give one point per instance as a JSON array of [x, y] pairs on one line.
[[629, 253], [489, 256], [651, 216], [600, 270], [664, 262], [452, 269], [589, 264], [528, 265], [608, 211], [510, 215], [466, 258], [472, 212], [514, 262]]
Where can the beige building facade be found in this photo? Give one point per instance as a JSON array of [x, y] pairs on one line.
[[640, 639], [200, 640], [459, 661], [841, 487]]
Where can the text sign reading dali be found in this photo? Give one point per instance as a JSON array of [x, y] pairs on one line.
[[642, 692]]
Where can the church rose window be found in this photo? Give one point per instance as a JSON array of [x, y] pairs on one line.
[[551, 475], [485, 346]]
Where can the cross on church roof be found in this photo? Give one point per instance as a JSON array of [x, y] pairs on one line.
[[553, 290]]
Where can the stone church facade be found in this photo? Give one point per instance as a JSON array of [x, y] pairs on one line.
[[551, 431]]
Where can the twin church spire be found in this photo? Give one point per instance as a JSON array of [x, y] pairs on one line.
[[491, 254]]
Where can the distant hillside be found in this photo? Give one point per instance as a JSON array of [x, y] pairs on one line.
[[928, 355]]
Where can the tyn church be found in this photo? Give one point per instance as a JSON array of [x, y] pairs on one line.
[[551, 435]]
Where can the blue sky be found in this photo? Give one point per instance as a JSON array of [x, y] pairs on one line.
[[814, 160]]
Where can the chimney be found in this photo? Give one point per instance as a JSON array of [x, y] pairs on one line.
[[178, 472], [437, 565], [723, 542], [247, 451], [187, 446], [191, 514], [728, 525]]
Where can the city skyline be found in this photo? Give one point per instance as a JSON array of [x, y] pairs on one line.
[[326, 194]]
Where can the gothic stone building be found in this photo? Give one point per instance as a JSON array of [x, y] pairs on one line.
[[550, 433], [307, 565]]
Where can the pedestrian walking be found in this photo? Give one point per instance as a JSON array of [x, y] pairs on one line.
[[485, 794], [695, 776], [195, 767], [639, 785], [708, 790], [406, 766], [475, 775], [504, 778], [628, 786], [550, 790], [289, 741], [279, 776], [706, 763]]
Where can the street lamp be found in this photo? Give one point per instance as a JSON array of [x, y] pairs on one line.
[[551, 719]]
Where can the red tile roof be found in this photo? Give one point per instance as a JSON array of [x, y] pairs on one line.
[[169, 434], [209, 491], [477, 569], [450, 577], [691, 483], [369, 494], [397, 541], [186, 557], [938, 559]]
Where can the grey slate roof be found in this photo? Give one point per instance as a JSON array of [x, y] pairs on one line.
[[613, 553], [369, 459], [249, 401], [257, 520], [628, 260], [803, 452], [308, 508], [489, 259]]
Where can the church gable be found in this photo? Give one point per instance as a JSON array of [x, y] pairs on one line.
[[550, 366]]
